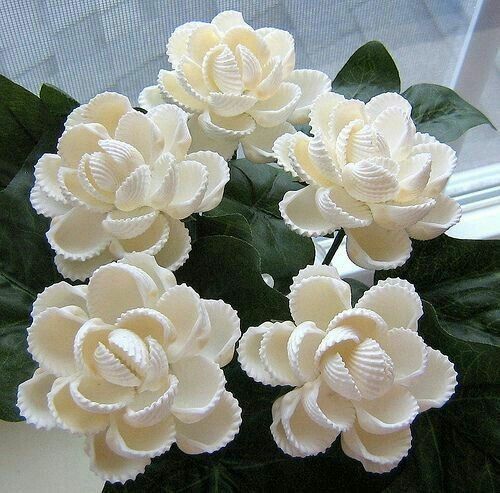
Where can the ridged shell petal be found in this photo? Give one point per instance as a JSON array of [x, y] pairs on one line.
[[112, 369], [60, 295], [230, 104], [126, 225], [134, 191], [250, 67], [130, 349], [302, 345], [395, 216], [336, 375]]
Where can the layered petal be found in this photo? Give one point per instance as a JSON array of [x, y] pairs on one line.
[[301, 348], [395, 216], [174, 92], [202, 142], [258, 146], [60, 295], [106, 109], [150, 97], [176, 251], [76, 270]]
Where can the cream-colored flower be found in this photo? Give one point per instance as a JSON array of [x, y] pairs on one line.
[[133, 361], [239, 84], [370, 172], [362, 372], [120, 182]]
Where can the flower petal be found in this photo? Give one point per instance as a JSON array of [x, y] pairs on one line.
[[125, 225], [302, 345], [68, 415], [321, 110], [395, 216], [282, 45], [201, 40], [278, 431], [219, 127], [390, 293], [110, 466], [107, 108], [60, 295], [249, 66], [258, 146], [202, 142], [335, 374], [318, 300], [224, 332], [397, 129], [134, 191], [46, 175], [172, 91], [32, 400], [301, 214], [377, 453], [221, 68], [312, 83], [313, 271], [176, 251], [249, 354], [373, 247], [272, 77], [184, 308], [246, 36], [437, 384], [51, 337], [364, 323], [79, 140], [150, 97], [77, 270], [45, 205], [218, 176], [230, 104], [413, 176], [212, 432], [445, 214], [227, 20], [177, 44], [105, 301], [386, 100]]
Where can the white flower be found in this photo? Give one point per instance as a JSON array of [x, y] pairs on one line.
[[370, 172], [132, 361], [362, 372], [121, 182], [239, 83]]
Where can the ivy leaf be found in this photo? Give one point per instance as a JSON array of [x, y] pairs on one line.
[[254, 192], [441, 112], [57, 101], [370, 71]]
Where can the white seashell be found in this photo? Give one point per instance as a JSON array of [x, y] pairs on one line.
[[68, 415], [435, 386], [395, 216], [126, 157], [201, 40], [381, 102], [151, 408], [147, 322], [326, 408], [76, 117], [318, 300], [321, 110], [60, 295], [125, 225], [278, 432], [212, 432], [357, 142], [371, 180], [249, 66], [218, 127], [130, 350], [398, 131], [79, 140], [97, 396], [394, 411], [163, 181], [246, 36], [133, 442], [281, 148], [191, 79], [176, 251], [106, 173], [445, 214], [336, 375], [45, 205], [87, 182], [173, 92], [32, 400], [371, 368], [302, 345], [223, 70], [51, 337], [249, 354], [46, 170], [227, 20], [364, 323], [201, 385], [157, 369], [340, 340], [343, 112], [277, 108], [272, 78], [323, 161], [150, 97], [230, 104], [134, 191], [109, 367], [341, 209], [385, 295], [377, 453], [304, 434], [413, 176], [313, 271], [104, 301], [110, 466], [177, 44], [107, 108], [274, 353], [423, 138], [163, 278], [281, 44]]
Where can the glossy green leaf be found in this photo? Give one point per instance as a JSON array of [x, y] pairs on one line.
[[370, 71], [441, 112], [57, 101], [254, 192]]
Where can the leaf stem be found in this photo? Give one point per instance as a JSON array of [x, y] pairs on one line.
[[335, 246]]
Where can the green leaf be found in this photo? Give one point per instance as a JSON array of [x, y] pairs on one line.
[[57, 101], [254, 192], [370, 71], [441, 112]]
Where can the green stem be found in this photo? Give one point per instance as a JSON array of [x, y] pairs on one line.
[[335, 246]]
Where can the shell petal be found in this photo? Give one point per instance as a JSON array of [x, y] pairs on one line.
[[320, 156], [318, 300], [125, 156], [445, 214], [321, 110], [371, 180], [259, 145], [305, 435], [230, 104], [364, 323], [173, 92], [190, 77], [437, 384], [249, 354], [60, 295], [312, 83], [106, 174], [225, 331], [336, 375], [150, 97], [373, 247], [326, 408], [344, 112], [225, 72], [125, 225], [130, 349], [201, 384], [377, 453], [163, 181], [176, 251], [250, 67], [394, 411], [91, 333], [133, 442], [51, 337], [134, 191], [202, 142], [274, 353], [212, 432], [107, 108], [227, 20], [278, 432], [201, 39], [79, 140], [395, 216], [68, 415], [151, 407], [77, 270], [32, 400], [381, 102], [281, 44], [110, 466], [184, 308], [302, 345], [156, 373], [45, 205], [386, 294], [109, 367], [46, 170], [413, 176], [272, 78], [219, 127], [313, 271], [337, 340], [104, 301], [281, 150], [397, 129], [246, 36], [177, 44]]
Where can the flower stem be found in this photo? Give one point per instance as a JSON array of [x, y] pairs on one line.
[[335, 246]]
